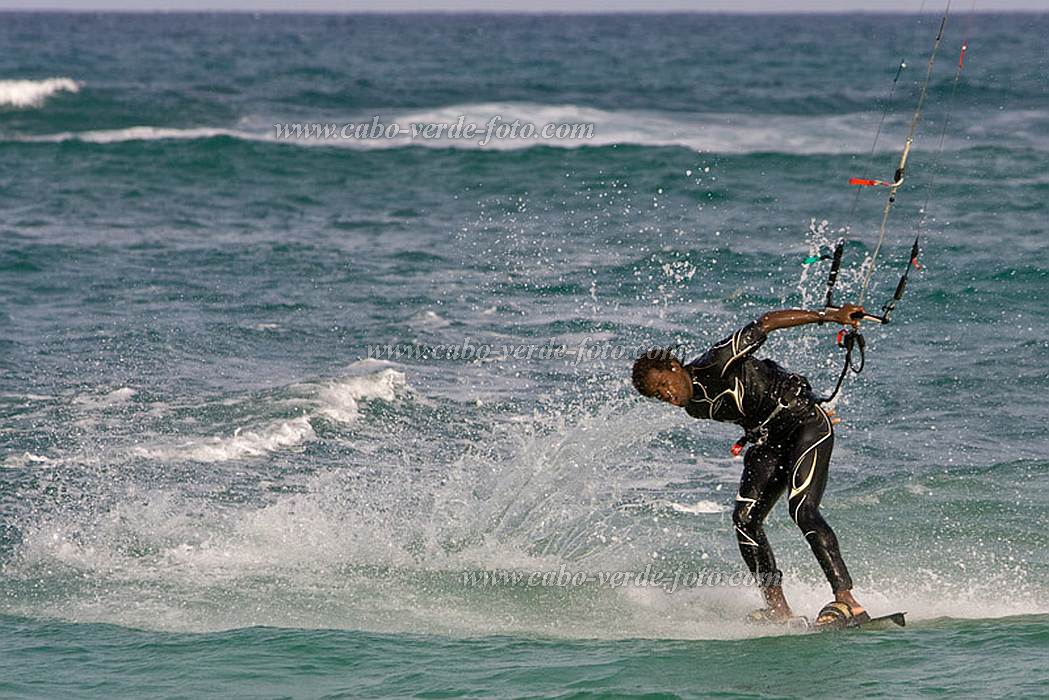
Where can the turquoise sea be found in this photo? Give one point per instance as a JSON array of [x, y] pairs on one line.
[[211, 486]]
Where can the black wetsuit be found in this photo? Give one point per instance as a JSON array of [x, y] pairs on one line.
[[791, 441]]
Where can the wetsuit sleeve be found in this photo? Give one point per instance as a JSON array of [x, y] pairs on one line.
[[724, 355]]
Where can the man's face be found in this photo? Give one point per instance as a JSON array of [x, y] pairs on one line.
[[673, 386]]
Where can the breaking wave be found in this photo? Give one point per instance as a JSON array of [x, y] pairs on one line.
[[337, 400], [33, 93]]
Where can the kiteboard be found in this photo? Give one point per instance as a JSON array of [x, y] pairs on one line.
[[882, 622]]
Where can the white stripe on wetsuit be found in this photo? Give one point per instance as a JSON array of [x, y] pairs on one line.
[[795, 488]]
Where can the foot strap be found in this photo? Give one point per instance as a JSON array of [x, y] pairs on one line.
[[838, 614]]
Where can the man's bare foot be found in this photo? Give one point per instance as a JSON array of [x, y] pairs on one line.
[[777, 604], [847, 598], [776, 609]]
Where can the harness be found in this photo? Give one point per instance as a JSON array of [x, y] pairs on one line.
[[759, 434]]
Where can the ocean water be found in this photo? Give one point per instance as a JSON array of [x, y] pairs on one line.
[[209, 484]]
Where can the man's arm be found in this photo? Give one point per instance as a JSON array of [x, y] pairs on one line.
[[752, 336], [848, 314]]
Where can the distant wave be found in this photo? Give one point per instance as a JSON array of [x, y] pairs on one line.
[[702, 132], [698, 131], [141, 133], [33, 93]]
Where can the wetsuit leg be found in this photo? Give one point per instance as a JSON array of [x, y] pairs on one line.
[[808, 460], [760, 486]]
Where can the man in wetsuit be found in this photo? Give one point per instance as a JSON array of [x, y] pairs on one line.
[[790, 439]]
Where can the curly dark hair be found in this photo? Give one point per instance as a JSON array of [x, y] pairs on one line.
[[656, 359]]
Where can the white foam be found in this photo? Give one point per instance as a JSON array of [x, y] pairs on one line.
[[112, 398], [428, 319], [702, 132], [387, 551], [697, 508], [142, 133], [24, 460], [699, 131], [33, 93], [28, 397], [338, 400], [241, 444]]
